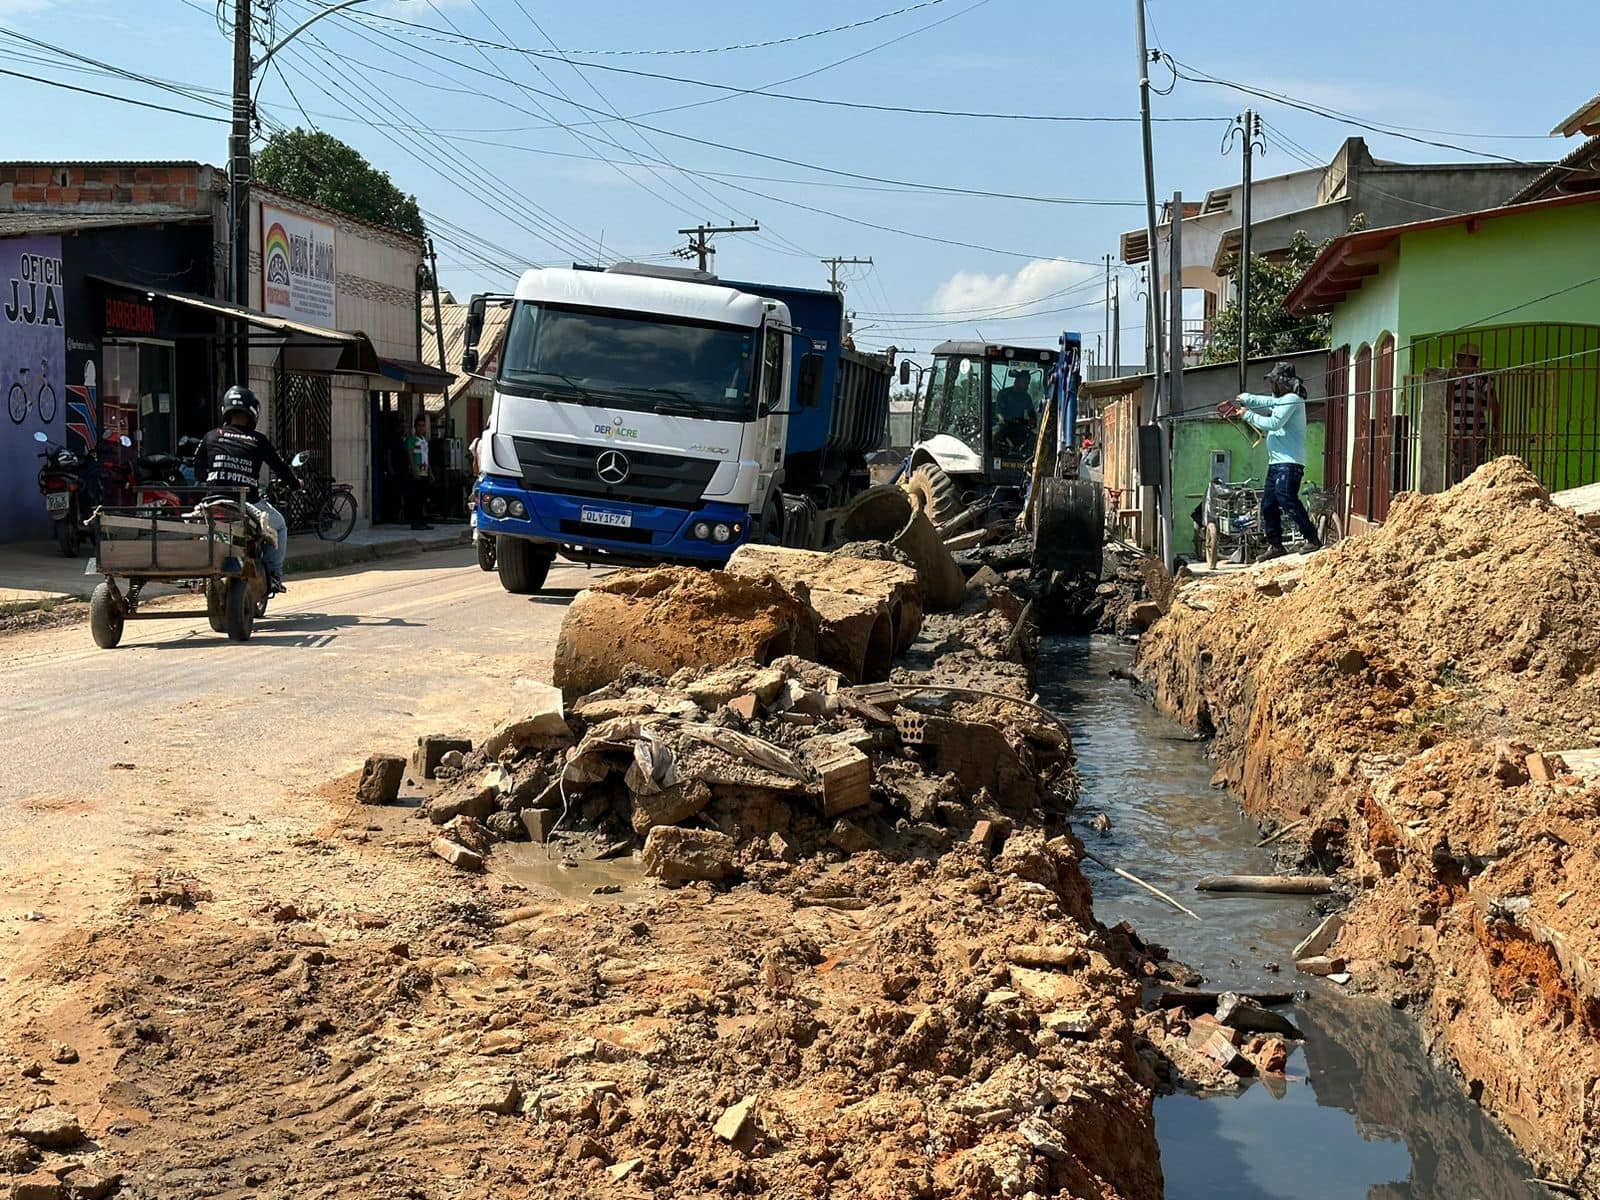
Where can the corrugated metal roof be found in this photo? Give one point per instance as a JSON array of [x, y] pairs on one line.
[[18, 224], [454, 316]]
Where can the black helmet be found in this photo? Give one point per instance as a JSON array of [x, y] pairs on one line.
[[241, 399]]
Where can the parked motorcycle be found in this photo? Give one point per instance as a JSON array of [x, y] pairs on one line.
[[69, 483]]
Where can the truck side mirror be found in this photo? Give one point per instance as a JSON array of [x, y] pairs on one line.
[[473, 331], [905, 372], [810, 380]]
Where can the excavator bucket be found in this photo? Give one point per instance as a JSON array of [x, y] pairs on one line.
[[1069, 522]]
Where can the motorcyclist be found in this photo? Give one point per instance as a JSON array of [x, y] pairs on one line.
[[232, 455]]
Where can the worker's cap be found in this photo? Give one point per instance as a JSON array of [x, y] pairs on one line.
[[1282, 373], [1470, 350]]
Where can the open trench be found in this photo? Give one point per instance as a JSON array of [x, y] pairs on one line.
[[1364, 1112]]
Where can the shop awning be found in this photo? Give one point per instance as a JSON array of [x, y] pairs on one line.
[[419, 377], [331, 351]]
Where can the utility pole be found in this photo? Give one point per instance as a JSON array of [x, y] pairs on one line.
[[700, 240], [438, 310], [1249, 125], [1107, 356], [1116, 328], [1175, 309], [833, 265], [1150, 209], [239, 190]]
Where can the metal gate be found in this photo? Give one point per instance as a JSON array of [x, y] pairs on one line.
[[304, 417], [1361, 458], [1384, 459], [1335, 423]]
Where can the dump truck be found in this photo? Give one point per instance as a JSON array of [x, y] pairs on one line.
[[646, 415]]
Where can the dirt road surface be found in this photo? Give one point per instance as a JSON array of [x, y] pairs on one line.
[[220, 976], [115, 761]]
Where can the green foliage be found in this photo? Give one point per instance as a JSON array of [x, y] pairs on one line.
[[320, 168], [1274, 330]]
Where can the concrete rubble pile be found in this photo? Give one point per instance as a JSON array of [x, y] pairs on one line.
[[870, 967], [714, 767], [1422, 705]]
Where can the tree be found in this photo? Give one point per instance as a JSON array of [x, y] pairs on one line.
[[1274, 329], [320, 168]]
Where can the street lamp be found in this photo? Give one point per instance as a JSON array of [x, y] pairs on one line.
[[239, 162]]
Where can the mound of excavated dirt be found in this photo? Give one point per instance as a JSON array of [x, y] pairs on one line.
[[1409, 691]]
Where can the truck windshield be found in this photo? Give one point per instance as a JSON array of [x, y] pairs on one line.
[[633, 361]]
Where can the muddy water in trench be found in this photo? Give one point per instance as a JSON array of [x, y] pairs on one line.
[[1365, 1114]]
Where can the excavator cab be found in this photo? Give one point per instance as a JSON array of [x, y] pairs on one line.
[[995, 425], [977, 425]]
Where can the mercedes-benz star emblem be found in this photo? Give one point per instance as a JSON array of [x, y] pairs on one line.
[[612, 467]]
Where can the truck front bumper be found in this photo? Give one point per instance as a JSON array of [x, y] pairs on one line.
[[653, 534]]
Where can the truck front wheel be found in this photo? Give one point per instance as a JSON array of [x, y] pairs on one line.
[[522, 565], [769, 530]]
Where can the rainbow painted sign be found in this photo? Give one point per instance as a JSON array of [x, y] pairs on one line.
[[298, 275]]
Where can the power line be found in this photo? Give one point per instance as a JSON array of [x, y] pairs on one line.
[[936, 189], [567, 58], [782, 41], [55, 83], [1182, 70]]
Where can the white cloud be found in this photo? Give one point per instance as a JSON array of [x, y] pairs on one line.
[[971, 290]]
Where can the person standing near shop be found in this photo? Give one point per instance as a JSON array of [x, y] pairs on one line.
[[419, 475], [1282, 417]]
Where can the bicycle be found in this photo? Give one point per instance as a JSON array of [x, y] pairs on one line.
[[1323, 505], [325, 507], [18, 401]]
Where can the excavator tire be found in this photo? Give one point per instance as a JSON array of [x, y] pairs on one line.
[[934, 493], [1069, 527]]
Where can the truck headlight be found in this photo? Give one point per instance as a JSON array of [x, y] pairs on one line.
[[702, 530], [497, 506], [519, 509], [721, 532]]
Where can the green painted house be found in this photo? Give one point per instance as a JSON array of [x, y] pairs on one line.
[[1459, 339]]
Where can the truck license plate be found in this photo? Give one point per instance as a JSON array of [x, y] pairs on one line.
[[57, 501], [599, 516]]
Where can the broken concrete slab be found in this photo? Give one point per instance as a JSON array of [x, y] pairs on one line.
[[495, 1092], [669, 805], [849, 837], [539, 822], [40, 1185], [431, 748], [456, 855], [543, 727], [1319, 964], [1321, 938], [677, 855], [381, 777], [895, 586], [49, 1128], [736, 1126], [1240, 1012]]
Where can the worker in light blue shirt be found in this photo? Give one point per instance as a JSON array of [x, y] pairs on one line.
[[1282, 417]]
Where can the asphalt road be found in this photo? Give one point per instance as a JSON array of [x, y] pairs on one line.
[[112, 757]]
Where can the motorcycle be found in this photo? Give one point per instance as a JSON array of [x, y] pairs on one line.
[[69, 483]]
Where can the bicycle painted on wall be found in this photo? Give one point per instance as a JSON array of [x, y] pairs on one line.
[[18, 402]]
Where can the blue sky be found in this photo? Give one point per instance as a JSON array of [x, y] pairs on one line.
[[505, 151]]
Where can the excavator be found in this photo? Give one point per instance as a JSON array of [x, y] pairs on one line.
[[994, 428]]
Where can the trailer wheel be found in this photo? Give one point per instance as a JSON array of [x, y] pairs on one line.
[[1069, 527], [934, 493], [522, 567], [216, 605], [105, 616], [239, 611]]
